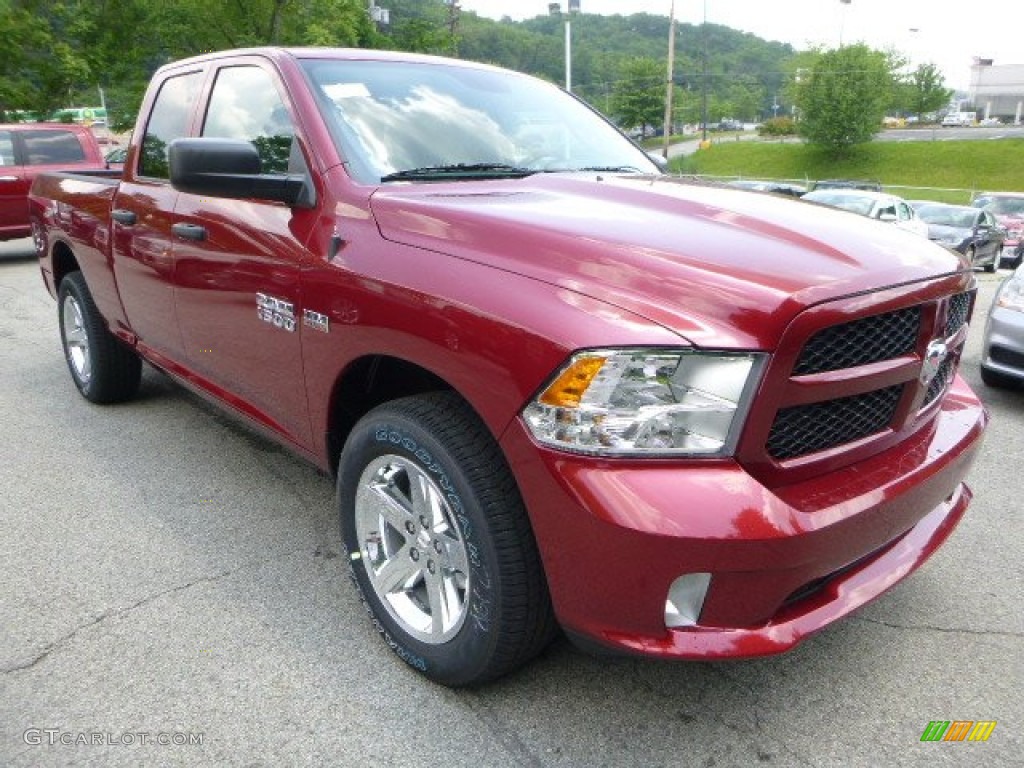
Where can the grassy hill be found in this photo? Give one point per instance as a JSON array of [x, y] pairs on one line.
[[937, 170]]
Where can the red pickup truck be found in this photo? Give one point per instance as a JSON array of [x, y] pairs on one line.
[[29, 149], [557, 388]]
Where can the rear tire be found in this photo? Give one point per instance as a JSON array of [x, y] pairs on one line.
[[440, 546], [103, 369]]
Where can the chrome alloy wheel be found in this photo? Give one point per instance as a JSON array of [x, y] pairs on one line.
[[412, 548], [76, 340]]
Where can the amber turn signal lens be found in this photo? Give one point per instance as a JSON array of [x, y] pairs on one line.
[[567, 390]]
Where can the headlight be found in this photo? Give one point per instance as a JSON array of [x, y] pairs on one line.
[[1011, 295], [628, 402]]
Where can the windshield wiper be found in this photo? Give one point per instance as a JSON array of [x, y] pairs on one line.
[[460, 171], [607, 169]]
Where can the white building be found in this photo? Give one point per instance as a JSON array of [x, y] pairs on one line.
[[997, 91]]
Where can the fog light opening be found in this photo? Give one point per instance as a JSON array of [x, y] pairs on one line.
[[686, 599]]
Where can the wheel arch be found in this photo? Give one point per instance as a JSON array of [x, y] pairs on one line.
[[368, 382], [64, 261]]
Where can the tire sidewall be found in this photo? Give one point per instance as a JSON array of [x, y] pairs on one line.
[[470, 650], [69, 288]]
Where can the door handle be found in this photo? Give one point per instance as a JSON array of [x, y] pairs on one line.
[[189, 231], [123, 217]]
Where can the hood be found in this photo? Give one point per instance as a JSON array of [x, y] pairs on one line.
[[722, 267]]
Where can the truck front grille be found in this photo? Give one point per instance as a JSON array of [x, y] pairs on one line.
[[818, 413], [959, 309], [808, 428], [879, 337]]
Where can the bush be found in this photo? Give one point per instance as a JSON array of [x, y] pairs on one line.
[[778, 126]]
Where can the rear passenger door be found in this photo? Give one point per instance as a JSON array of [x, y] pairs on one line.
[[238, 262], [142, 216]]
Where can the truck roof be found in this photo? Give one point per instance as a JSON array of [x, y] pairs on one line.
[[293, 53]]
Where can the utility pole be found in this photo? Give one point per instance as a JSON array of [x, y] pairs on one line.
[[670, 86], [704, 78]]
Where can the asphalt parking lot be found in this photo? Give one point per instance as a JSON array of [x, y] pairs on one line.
[[172, 595]]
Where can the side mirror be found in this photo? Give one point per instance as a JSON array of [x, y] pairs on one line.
[[231, 168]]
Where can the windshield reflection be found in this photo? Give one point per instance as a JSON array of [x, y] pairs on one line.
[[390, 117]]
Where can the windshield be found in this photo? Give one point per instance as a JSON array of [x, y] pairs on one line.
[[403, 120], [854, 203]]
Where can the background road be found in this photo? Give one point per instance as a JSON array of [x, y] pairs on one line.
[[167, 575]]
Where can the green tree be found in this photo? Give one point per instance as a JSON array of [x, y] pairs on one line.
[[927, 90], [844, 97], [42, 59], [638, 97]]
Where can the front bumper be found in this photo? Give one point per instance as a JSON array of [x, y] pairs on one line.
[[784, 562], [1003, 348], [1010, 257]]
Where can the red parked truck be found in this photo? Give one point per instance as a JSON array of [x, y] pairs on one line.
[[557, 388], [28, 149]]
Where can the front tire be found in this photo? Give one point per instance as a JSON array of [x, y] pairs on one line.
[[104, 370], [439, 543]]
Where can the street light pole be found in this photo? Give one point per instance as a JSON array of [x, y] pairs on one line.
[[704, 77], [671, 78], [555, 9], [842, 20], [568, 53]]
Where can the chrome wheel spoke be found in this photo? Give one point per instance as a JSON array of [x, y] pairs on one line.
[[445, 604], [398, 574], [390, 506]]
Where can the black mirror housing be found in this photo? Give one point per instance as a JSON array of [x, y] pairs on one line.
[[230, 168]]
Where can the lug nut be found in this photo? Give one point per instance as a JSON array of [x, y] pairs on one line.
[[414, 554], [409, 527]]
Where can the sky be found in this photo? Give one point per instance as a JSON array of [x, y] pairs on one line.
[[947, 34]]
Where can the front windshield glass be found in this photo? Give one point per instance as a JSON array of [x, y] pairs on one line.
[[861, 205], [392, 118]]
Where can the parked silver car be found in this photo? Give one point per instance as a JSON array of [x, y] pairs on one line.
[[874, 205], [1002, 356]]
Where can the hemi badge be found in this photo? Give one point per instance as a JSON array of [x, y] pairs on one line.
[[316, 321]]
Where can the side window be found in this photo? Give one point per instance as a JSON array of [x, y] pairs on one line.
[[6, 148], [905, 213], [245, 104], [167, 122]]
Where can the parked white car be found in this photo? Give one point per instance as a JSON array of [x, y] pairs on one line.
[[874, 205]]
